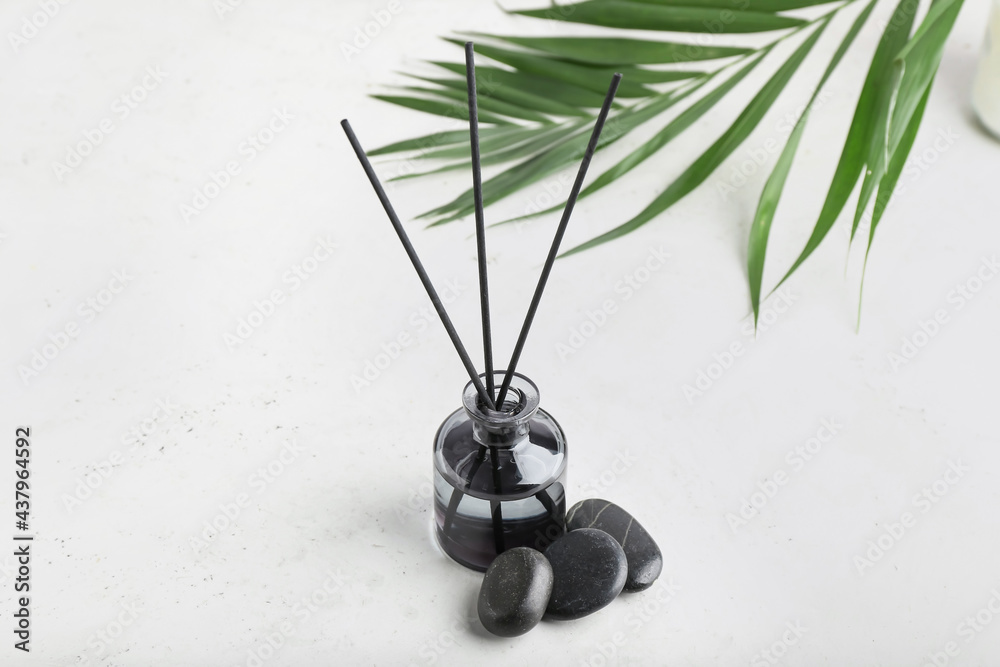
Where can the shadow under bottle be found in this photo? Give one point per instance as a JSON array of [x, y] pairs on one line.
[[499, 476]]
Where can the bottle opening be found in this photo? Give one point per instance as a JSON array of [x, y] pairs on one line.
[[519, 405], [513, 403]]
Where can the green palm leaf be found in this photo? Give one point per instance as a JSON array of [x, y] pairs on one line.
[[709, 161], [540, 93], [891, 177], [885, 77], [895, 168], [612, 51], [661, 138], [857, 147], [539, 141], [449, 138], [676, 18], [761, 228], [547, 163], [441, 108], [589, 78], [500, 139], [489, 79], [918, 63], [915, 67], [486, 103], [743, 5], [511, 95]]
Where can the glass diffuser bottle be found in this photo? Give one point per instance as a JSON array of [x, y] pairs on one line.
[[499, 476]]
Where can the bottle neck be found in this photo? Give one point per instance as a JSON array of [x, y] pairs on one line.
[[511, 423], [500, 435]]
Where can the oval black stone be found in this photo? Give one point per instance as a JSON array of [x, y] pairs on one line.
[[645, 562], [589, 567], [515, 592]]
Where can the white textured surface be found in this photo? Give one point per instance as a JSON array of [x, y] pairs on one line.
[[353, 502]]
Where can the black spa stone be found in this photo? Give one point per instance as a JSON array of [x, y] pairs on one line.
[[589, 570], [645, 562], [515, 592]]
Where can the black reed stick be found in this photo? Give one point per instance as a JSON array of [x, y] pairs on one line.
[[456, 495], [554, 250], [424, 278], [477, 191], [496, 512]]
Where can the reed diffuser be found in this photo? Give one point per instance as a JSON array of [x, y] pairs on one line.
[[500, 460]]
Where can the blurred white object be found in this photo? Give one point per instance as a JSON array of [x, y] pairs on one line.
[[986, 90]]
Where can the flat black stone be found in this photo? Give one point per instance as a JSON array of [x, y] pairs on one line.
[[589, 568], [645, 562], [515, 592]]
